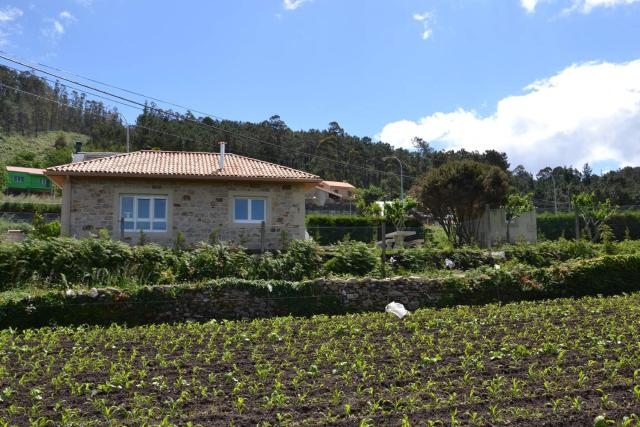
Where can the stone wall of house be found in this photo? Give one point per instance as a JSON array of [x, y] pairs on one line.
[[196, 208]]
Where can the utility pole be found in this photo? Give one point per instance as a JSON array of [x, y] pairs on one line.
[[128, 146], [555, 197]]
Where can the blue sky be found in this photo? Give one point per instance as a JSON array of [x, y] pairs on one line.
[[455, 72]]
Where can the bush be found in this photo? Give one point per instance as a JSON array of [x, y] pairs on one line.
[[10, 206], [353, 258], [330, 229], [301, 261], [546, 253], [422, 259], [554, 226], [207, 262], [153, 263]]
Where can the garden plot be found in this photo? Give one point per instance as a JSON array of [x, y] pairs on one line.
[[557, 362]]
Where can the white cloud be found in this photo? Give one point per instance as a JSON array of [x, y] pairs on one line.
[[426, 19], [586, 113], [293, 4], [529, 5], [584, 6], [56, 27], [9, 14], [8, 26], [67, 16]]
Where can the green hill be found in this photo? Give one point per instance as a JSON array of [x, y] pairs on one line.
[[14, 145]]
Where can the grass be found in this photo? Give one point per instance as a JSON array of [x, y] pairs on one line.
[[8, 222], [12, 144], [556, 362]]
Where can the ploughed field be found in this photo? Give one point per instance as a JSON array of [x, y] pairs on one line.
[[561, 362]]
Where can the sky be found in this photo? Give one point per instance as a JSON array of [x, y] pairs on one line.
[[549, 82]]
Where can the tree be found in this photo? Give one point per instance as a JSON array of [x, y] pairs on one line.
[[515, 206], [398, 210], [60, 142], [456, 194], [593, 213], [521, 180], [366, 198]]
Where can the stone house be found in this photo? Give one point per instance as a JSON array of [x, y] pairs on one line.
[[161, 193]]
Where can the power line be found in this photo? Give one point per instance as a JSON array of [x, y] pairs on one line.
[[178, 116], [119, 88], [182, 138]]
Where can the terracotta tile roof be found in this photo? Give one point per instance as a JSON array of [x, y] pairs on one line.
[[182, 164], [32, 171], [337, 184]]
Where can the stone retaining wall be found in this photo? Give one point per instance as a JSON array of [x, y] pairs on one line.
[[220, 300]]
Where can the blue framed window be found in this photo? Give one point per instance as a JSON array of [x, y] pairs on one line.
[[146, 213], [248, 210]]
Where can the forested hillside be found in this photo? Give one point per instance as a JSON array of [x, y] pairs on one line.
[[34, 111]]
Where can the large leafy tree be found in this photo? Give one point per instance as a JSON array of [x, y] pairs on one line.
[[456, 194]]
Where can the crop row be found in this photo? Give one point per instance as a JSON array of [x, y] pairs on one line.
[[525, 363]]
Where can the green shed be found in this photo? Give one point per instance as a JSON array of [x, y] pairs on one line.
[[27, 180]]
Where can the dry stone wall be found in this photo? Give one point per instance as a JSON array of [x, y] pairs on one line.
[[219, 300]]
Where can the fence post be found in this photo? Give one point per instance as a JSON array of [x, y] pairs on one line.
[[487, 212], [262, 236], [383, 240]]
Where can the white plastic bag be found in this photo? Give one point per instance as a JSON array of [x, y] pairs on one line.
[[397, 309], [449, 264]]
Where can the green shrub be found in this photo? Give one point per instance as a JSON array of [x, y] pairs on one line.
[[554, 226], [422, 259], [301, 261], [207, 262], [11, 206], [353, 258], [546, 253], [329, 229], [153, 263]]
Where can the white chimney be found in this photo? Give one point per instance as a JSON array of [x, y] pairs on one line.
[[222, 144]]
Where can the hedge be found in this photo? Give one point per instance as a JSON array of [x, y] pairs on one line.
[[553, 226], [30, 207], [607, 275], [330, 229], [60, 262]]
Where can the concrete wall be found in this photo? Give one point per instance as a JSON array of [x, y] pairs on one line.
[[195, 208], [493, 228]]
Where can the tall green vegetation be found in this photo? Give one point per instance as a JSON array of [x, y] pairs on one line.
[[457, 193], [593, 213], [516, 205]]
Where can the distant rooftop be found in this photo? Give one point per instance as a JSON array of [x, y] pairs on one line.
[[337, 184], [32, 171]]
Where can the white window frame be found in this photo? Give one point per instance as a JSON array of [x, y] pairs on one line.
[[44, 181], [151, 220], [250, 220], [18, 178]]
